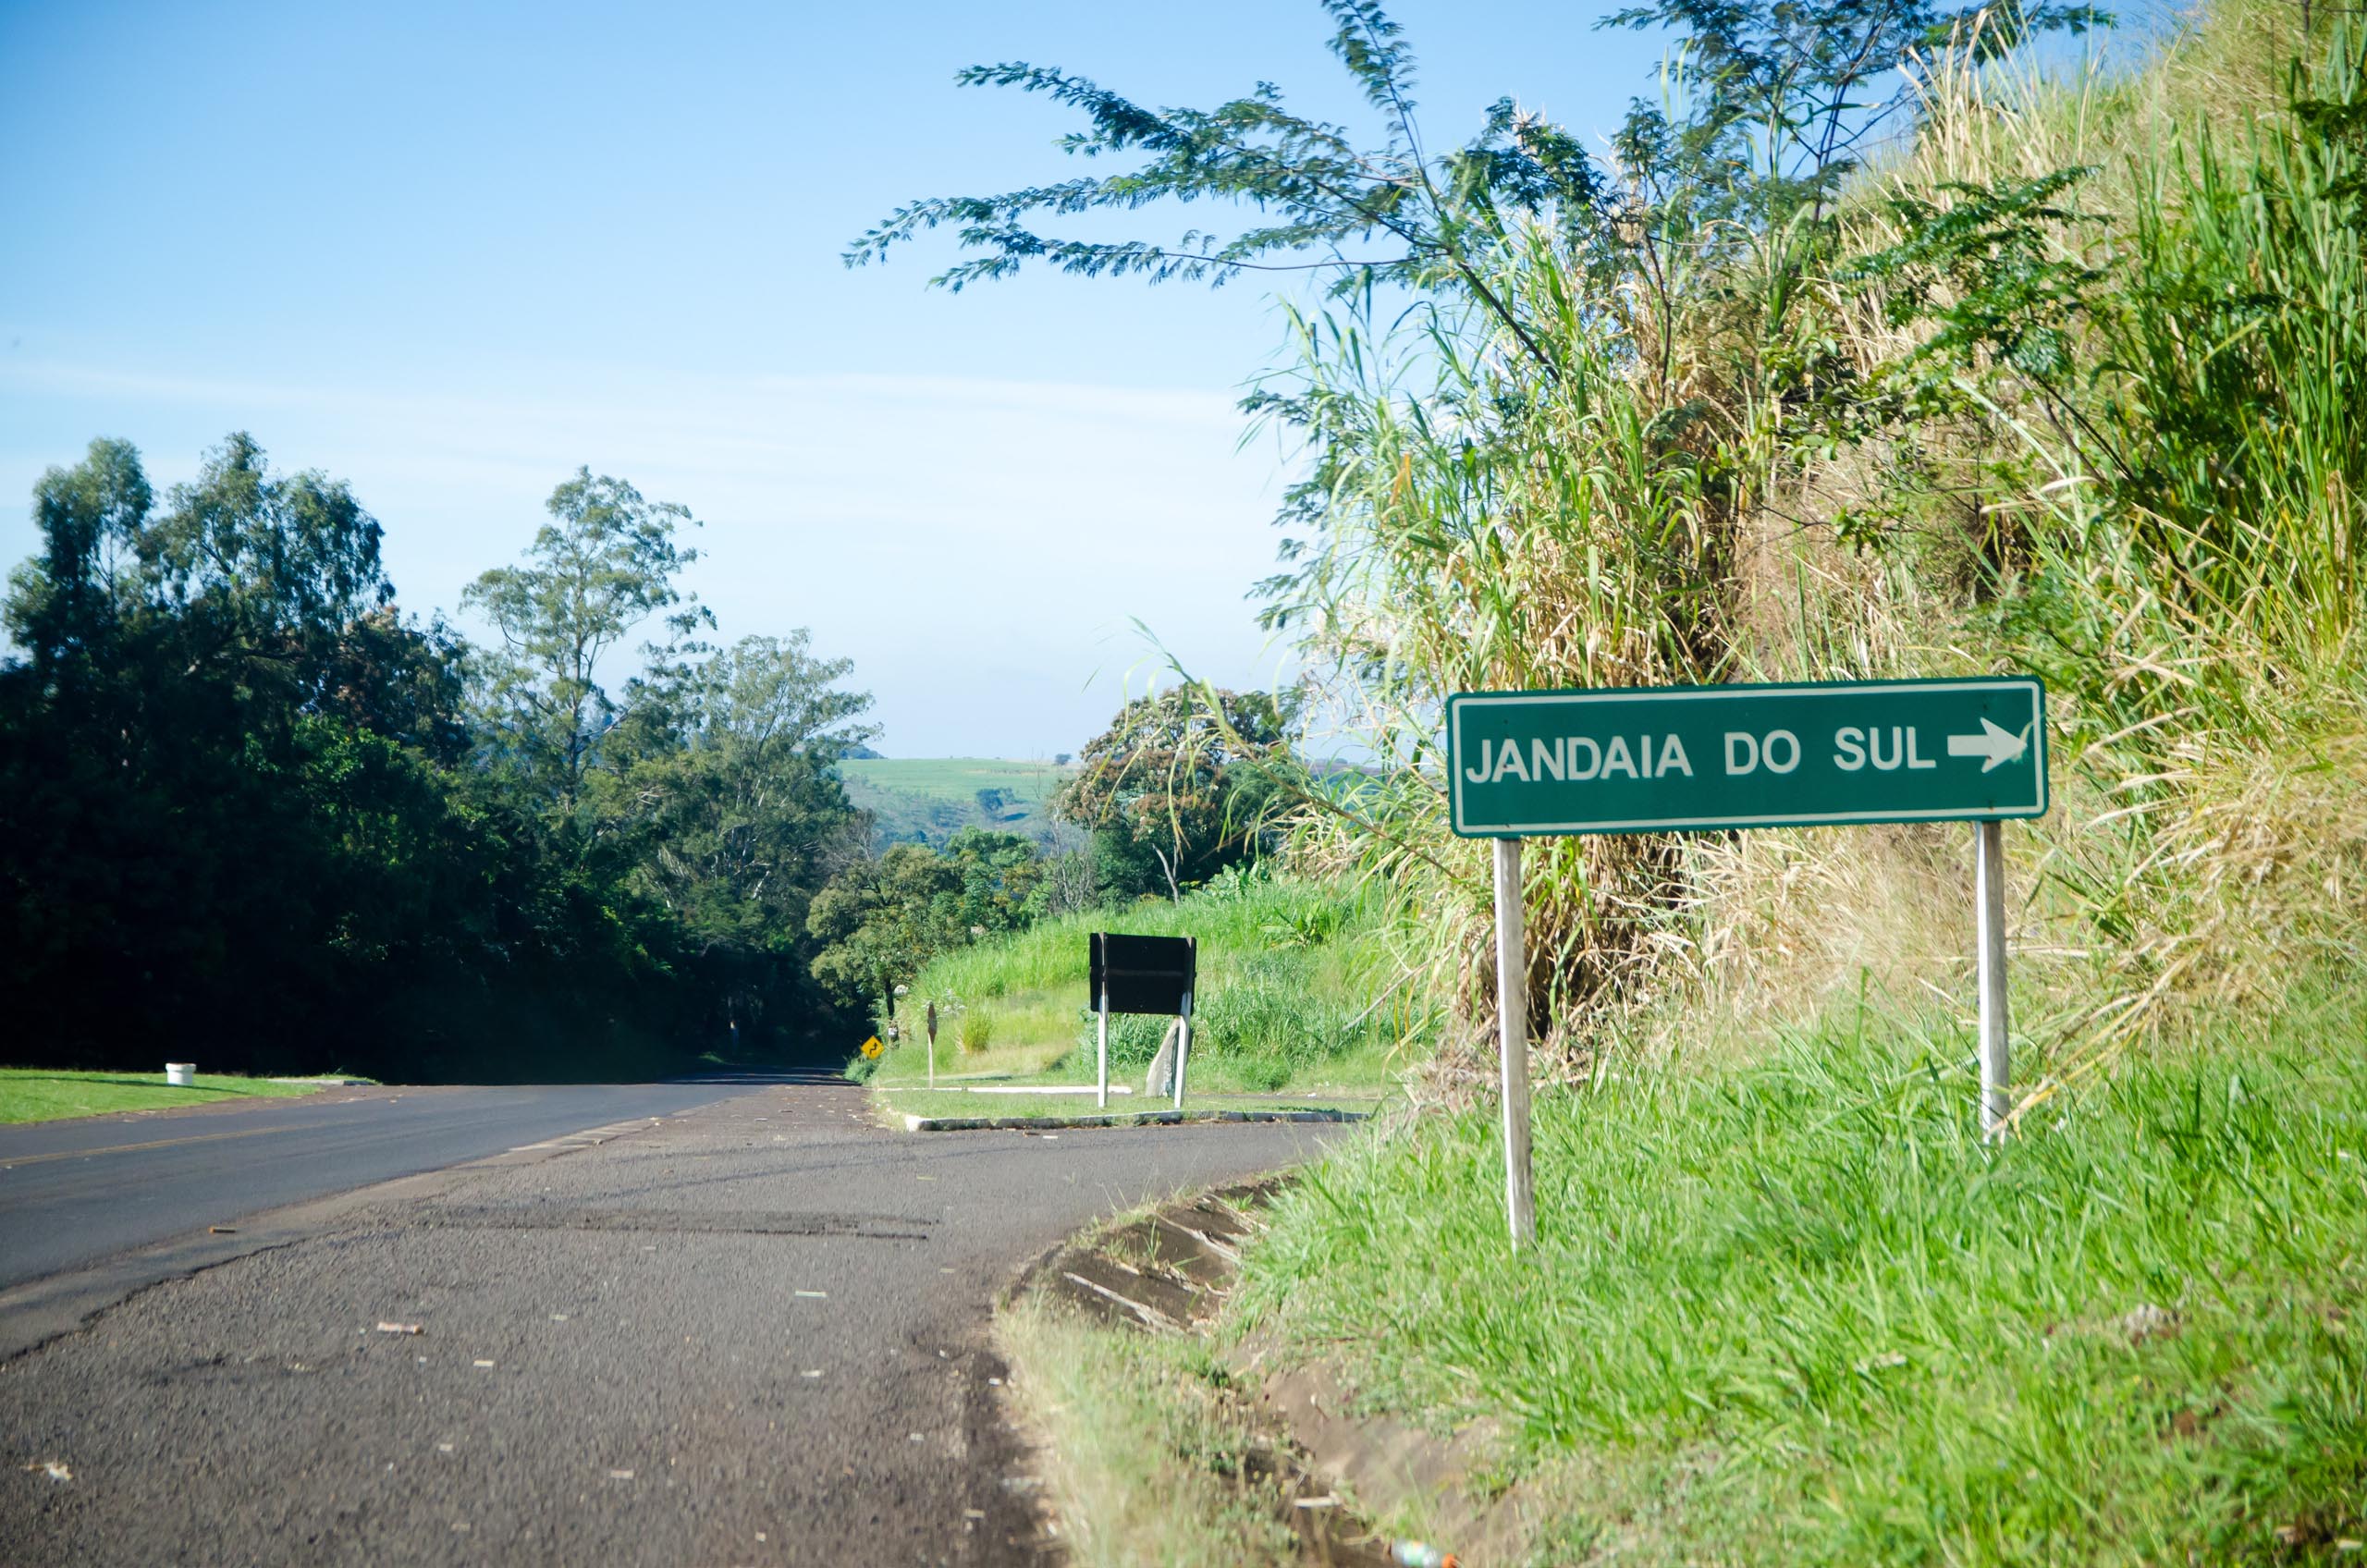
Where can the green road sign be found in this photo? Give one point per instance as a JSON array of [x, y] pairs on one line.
[[1656, 758]]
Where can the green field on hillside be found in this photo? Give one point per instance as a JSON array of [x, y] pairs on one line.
[[932, 798]]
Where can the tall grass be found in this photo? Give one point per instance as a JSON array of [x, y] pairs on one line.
[[1490, 526], [1261, 912], [2168, 525], [2191, 577], [2200, 470]]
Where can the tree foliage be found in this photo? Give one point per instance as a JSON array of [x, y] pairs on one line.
[[605, 563], [725, 770], [1182, 784], [880, 921], [1772, 100], [256, 817]]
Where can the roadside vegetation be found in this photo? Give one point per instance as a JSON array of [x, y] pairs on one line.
[[1165, 803], [257, 811], [1287, 1006], [1795, 1311], [34, 1093], [1199, 1505], [1882, 341]]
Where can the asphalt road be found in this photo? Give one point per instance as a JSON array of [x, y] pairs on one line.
[[73, 1192], [754, 1332]]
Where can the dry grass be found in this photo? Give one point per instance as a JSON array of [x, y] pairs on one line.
[[1498, 530]]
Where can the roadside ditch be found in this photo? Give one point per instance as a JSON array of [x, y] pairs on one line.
[[1165, 1441]]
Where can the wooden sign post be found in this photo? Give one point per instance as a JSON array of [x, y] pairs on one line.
[[1716, 758]]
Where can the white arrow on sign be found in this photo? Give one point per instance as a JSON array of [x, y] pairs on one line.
[[1996, 744]]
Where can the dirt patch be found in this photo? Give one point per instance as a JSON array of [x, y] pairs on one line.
[[1389, 1465]]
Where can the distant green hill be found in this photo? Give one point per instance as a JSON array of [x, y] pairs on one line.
[[916, 799]]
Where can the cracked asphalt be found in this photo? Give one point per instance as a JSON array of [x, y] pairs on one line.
[[754, 1332]]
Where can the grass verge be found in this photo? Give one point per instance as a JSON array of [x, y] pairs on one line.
[[38, 1094], [1796, 1311], [1142, 1467], [1288, 1000]]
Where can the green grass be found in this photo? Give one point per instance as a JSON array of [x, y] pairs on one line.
[[934, 797], [36, 1094], [1798, 1311], [1288, 999]]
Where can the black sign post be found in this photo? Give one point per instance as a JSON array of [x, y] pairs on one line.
[[1148, 974]]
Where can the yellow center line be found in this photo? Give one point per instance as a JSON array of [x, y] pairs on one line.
[[9, 1162]]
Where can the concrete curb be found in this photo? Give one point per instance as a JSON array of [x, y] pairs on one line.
[[1133, 1119]]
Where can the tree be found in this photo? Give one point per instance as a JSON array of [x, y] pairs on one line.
[[276, 559], [1185, 781], [724, 775], [63, 604], [1321, 198], [1770, 103], [1799, 79], [605, 563], [1781, 95], [880, 921], [243, 808], [1002, 880]]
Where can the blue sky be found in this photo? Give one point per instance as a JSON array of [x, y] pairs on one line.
[[448, 252]]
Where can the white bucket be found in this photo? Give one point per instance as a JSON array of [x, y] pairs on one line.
[[180, 1074]]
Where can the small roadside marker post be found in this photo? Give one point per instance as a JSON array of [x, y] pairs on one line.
[[932, 1045], [1719, 758]]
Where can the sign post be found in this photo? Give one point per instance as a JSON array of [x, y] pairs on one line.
[[1512, 1033], [932, 1045], [1996, 1056], [1182, 1048], [1153, 975], [1719, 758]]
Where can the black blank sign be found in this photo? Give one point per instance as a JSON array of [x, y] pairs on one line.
[[1143, 973]]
